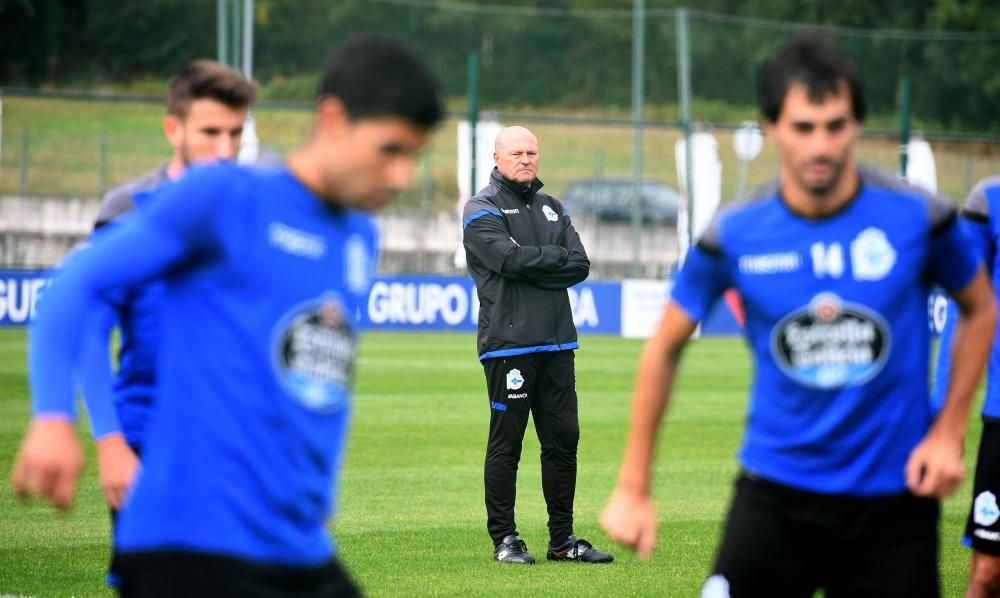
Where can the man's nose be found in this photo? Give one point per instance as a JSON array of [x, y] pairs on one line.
[[226, 146], [400, 173]]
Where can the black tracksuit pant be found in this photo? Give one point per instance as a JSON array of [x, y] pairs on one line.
[[544, 385]]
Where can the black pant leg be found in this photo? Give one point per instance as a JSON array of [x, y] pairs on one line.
[[554, 408], [509, 382]]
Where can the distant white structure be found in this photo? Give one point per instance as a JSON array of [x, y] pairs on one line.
[[486, 135], [921, 169], [707, 173], [250, 143]]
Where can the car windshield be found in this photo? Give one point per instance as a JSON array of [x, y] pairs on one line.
[[619, 193]]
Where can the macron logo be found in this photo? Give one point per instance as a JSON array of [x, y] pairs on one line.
[[512, 211], [770, 263], [296, 242]]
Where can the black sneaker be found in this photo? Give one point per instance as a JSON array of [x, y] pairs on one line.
[[513, 550], [580, 551]]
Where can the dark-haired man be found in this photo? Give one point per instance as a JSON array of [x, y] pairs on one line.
[[982, 528], [842, 463], [264, 272]]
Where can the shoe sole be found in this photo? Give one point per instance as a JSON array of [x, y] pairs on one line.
[[562, 560]]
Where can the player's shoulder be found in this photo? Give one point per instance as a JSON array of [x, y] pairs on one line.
[[482, 203], [939, 209], [984, 193], [121, 199], [742, 209]]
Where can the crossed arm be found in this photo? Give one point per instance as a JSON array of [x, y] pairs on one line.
[[551, 267]]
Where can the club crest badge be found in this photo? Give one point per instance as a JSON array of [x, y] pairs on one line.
[[985, 511], [514, 379]]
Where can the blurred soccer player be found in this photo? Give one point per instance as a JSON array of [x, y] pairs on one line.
[[523, 253], [982, 530], [842, 463], [206, 106], [264, 272]]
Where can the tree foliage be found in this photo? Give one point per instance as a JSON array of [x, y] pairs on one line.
[[534, 54]]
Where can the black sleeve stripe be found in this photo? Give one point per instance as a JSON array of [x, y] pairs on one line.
[[975, 216], [945, 224], [709, 249]]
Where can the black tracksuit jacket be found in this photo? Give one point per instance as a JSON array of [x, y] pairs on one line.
[[523, 253]]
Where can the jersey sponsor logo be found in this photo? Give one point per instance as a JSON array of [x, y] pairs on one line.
[[510, 211], [514, 379], [985, 511], [872, 256], [520, 395], [314, 353], [770, 263], [295, 241], [550, 215], [831, 343]]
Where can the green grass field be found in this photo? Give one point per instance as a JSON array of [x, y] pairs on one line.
[[411, 520]]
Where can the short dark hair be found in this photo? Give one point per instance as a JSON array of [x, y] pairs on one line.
[[207, 79], [375, 76], [813, 61]]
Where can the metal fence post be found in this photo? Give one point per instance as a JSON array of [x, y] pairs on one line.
[[638, 60], [102, 165], [684, 90], [473, 83], [904, 123], [24, 164]]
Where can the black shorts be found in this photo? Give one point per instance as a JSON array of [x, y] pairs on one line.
[[190, 574], [982, 529], [780, 541]]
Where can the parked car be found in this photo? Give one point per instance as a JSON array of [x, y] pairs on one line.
[[610, 199]]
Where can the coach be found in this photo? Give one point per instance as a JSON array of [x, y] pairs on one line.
[[523, 253]]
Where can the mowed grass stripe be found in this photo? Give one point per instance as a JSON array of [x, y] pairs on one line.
[[411, 519]]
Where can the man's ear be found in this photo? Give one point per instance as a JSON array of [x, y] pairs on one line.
[[332, 118], [173, 130]]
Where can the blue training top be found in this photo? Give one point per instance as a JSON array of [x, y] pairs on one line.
[[982, 202], [836, 321], [135, 310], [263, 282]]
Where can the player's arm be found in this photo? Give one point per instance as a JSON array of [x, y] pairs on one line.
[[935, 467], [486, 237], [976, 224], [50, 458], [630, 517], [117, 463]]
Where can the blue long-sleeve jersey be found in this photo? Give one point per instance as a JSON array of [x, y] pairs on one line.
[[262, 284], [984, 229], [836, 322], [123, 400]]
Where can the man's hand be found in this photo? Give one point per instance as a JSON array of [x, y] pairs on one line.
[[935, 468], [116, 466], [49, 463], [630, 519]]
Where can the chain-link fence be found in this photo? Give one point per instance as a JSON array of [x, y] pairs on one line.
[[566, 73]]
